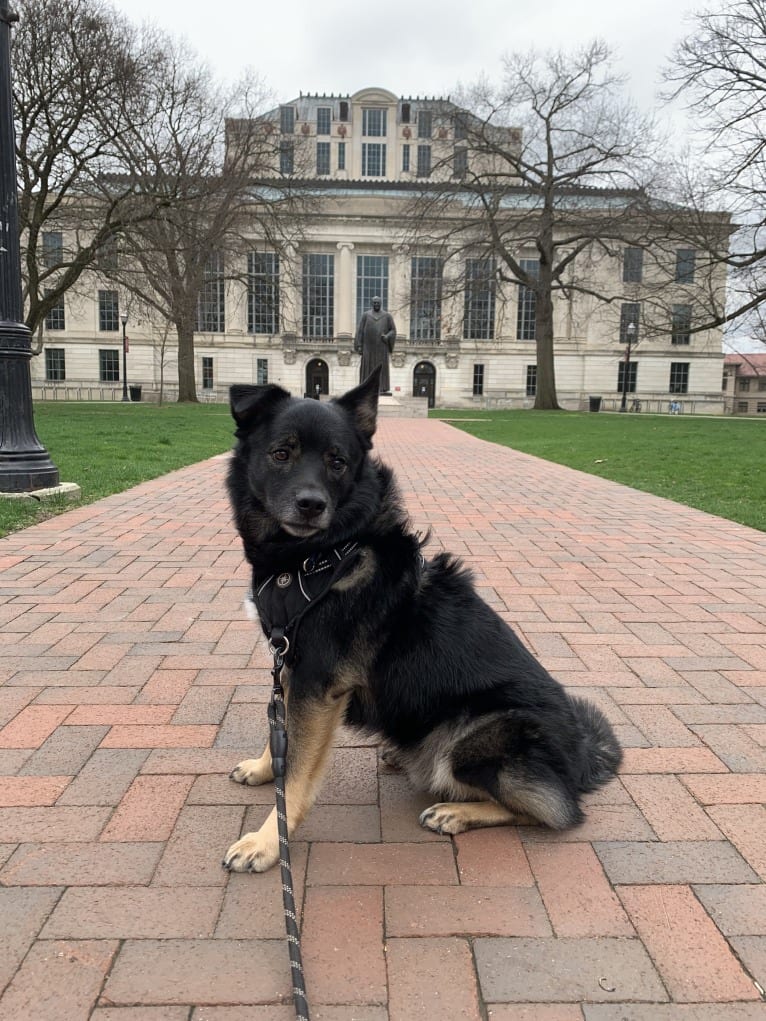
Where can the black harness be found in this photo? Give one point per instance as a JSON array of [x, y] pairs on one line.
[[282, 601]]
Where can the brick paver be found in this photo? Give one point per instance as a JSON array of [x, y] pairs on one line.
[[130, 684]]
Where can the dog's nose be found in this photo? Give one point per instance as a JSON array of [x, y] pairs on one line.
[[310, 503]]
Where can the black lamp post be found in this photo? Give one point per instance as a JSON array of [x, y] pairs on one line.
[[630, 331], [24, 462], [124, 318]]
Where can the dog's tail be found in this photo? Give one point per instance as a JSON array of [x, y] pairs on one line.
[[602, 749]]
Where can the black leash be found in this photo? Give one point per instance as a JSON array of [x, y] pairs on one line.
[[282, 600], [279, 645]]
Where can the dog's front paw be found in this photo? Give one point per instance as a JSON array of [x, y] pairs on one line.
[[252, 772], [253, 853], [443, 818]]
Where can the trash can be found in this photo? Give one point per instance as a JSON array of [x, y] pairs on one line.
[[594, 404], [135, 393]]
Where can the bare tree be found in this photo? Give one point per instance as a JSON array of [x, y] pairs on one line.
[[720, 70], [213, 158], [551, 165], [78, 72]]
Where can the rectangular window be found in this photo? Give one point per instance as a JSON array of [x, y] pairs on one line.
[[53, 248], [685, 265], [373, 159], [343, 110], [374, 123], [108, 311], [323, 158], [371, 282], [479, 299], [460, 162], [405, 157], [762, 384], [632, 369], [55, 364], [681, 324], [424, 160], [341, 155], [531, 382], [526, 312], [743, 406], [324, 120], [744, 385], [318, 296], [56, 317], [108, 366], [406, 110], [263, 292], [106, 258], [211, 306], [460, 127], [426, 298], [207, 372], [425, 123], [760, 408], [679, 378], [478, 380], [287, 119], [286, 157], [632, 265], [630, 313], [261, 371]]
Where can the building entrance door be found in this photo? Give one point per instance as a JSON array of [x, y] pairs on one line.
[[424, 382], [317, 378]]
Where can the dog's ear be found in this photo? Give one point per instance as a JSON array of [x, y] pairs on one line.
[[362, 404], [248, 402]]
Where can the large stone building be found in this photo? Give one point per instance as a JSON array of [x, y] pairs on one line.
[[290, 317]]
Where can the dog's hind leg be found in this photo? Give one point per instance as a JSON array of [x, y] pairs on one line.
[[310, 728], [457, 816]]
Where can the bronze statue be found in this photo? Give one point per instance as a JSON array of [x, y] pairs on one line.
[[375, 338]]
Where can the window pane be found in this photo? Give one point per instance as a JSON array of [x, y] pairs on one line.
[[341, 155], [426, 299], [56, 318], [108, 366], [211, 302], [685, 264], [108, 310], [632, 375], [262, 292], [262, 371], [630, 313], [323, 158], [373, 159], [53, 248], [632, 265], [55, 365], [287, 119], [318, 296], [479, 299], [526, 313], [374, 123], [324, 119], [425, 123], [207, 372], [531, 380], [681, 324], [286, 157], [679, 377], [371, 281], [424, 160], [478, 380]]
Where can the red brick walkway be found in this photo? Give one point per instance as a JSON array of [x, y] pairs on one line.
[[129, 687]]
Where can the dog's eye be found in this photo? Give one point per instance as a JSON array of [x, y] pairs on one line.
[[281, 455], [337, 463]]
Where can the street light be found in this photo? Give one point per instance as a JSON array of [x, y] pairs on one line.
[[25, 465], [630, 331], [124, 318]]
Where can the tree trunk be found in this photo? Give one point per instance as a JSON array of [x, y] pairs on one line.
[[187, 384], [545, 396]]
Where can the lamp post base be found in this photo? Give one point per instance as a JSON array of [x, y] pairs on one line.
[[25, 464]]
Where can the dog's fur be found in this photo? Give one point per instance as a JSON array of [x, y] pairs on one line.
[[401, 647]]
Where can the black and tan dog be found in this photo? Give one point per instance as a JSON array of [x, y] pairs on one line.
[[400, 646]]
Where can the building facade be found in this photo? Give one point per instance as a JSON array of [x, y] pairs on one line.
[[464, 337], [744, 384]]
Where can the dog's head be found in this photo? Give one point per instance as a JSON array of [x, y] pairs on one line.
[[298, 463]]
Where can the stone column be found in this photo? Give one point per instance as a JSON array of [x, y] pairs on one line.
[[345, 327]]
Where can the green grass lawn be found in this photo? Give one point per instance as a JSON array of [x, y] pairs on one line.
[[106, 448], [717, 465], [714, 464]]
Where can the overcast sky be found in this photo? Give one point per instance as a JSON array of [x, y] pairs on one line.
[[411, 47]]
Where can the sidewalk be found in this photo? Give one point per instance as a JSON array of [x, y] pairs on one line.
[[130, 685]]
